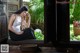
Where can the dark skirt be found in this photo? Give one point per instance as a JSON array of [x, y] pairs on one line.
[[28, 34]]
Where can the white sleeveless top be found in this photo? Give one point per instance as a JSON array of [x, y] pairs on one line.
[[17, 24]]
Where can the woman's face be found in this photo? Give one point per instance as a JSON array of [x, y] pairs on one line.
[[24, 13]]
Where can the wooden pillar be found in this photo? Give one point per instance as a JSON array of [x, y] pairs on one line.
[[20, 3]]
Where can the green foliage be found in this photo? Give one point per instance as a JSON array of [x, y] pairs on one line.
[[37, 11], [71, 32], [78, 37], [72, 36], [39, 36], [71, 12], [74, 15], [74, 12]]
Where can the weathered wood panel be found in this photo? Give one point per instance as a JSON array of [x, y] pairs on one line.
[[3, 24]]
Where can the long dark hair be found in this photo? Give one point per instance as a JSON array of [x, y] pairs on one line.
[[24, 8]]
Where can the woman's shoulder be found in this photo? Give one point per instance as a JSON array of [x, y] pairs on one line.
[[13, 16]]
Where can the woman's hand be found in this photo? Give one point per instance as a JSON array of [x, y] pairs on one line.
[[19, 33]]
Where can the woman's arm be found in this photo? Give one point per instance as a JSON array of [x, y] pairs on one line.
[[12, 18], [29, 20]]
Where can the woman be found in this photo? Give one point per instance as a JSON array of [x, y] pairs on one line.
[[19, 25]]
